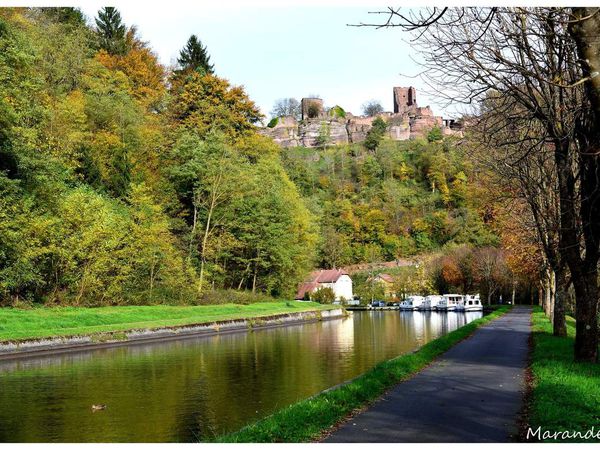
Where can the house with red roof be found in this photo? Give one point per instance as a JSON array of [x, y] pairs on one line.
[[337, 279]]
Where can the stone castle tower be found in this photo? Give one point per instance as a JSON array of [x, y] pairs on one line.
[[311, 108], [405, 99]]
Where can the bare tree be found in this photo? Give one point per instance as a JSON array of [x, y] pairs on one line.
[[286, 107], [538, 70], [531, 176], [372, 108], [491, 270]]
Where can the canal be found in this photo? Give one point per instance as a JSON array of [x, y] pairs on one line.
[[190, 389]]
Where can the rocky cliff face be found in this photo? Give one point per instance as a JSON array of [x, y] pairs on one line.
[[335, 126], [315, 132], [330, 131]]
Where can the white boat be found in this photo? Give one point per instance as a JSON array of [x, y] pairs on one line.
[[430, 303], [451, 302], [472, 303], [411, 303]]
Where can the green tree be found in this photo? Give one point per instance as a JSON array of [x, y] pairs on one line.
[[195, 57], [375, 134], [207, 176], [110, 31]]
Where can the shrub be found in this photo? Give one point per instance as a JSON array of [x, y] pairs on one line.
[[435, 135], [324, 295], [313, 110], [337, 112], [273, 122]]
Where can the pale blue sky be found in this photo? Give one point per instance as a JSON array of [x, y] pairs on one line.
[[284, 51]]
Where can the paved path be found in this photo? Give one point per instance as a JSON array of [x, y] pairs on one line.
[[472, 393]]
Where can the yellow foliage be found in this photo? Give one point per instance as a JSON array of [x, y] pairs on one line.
[[206, 102]]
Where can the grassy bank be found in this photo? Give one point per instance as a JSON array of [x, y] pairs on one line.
[[19, 324], [306, 421], [566, 394]]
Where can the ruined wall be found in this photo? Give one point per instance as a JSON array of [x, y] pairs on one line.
[[405, 99], [408, 121], [358, 127]]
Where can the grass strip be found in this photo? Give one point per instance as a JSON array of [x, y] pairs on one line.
[[307, 420], [566, 394], [20, 324]]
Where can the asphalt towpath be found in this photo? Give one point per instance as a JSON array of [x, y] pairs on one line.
[[471, 393]]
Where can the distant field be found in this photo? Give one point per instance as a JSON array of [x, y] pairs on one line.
[[18, 324]]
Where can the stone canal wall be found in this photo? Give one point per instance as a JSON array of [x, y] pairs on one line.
[[38, 347]]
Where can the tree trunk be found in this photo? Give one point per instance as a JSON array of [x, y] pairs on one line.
[[205, 241], [552, 294], [586, 317], [584, 272], [547, 293], [193, 232], [514, 293], [584, 31], [560, 298]]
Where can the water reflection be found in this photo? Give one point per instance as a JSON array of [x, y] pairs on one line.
[[181, 391]]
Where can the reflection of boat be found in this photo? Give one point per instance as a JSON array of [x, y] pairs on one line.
[[430, 303], [471, 303], [450, 302], [412, 303]]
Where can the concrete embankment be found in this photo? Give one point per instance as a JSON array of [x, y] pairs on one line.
[[38, 347]]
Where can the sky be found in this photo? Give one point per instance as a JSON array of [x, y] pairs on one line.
[[278, 49]]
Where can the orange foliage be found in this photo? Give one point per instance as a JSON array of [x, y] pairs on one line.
[[142, 68], [451, 273]]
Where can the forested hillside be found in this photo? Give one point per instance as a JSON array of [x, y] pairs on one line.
[[122, 182], [126, 182], [397, 200]]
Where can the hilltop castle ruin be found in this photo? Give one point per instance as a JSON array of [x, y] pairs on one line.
[[408, 121]]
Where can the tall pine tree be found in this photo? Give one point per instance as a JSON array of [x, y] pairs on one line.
[[111, 31], [194, 56]]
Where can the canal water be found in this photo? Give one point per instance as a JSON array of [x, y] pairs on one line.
[[191, 389]]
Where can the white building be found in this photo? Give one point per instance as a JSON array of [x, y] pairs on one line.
[[337, 279]]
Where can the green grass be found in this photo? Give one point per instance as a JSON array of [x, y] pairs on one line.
[[566, 394], [19, 324], [306, 420]]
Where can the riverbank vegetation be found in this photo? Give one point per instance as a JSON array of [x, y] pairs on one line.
[[308, 420], [19, 324], [565, 394]]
